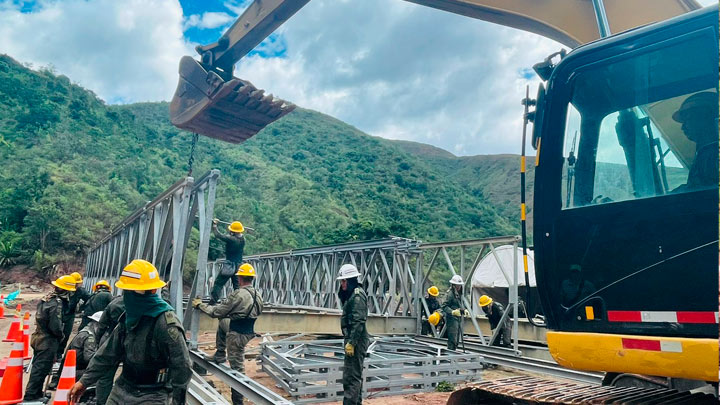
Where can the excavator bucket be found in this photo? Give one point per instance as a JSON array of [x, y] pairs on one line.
[[232, 110]]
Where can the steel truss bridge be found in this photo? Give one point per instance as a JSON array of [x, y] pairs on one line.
[[299, 285]]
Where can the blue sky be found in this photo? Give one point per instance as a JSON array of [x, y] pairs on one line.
[[389, 67]]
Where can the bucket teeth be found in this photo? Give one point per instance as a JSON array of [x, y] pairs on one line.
[[231, 111]]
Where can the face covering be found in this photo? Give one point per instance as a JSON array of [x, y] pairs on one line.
[[139, 305], [345, 295]]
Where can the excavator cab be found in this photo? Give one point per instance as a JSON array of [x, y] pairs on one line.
[[626, 197]]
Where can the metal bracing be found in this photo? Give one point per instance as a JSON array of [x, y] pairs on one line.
[[306, 277], [158, 232], [395, 273], [311, 370]]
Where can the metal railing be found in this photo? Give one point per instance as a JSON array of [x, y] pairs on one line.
[[158, 232]]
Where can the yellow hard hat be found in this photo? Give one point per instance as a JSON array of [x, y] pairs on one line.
[[246, 269], [77, 276], [65, 282], [433, 291], [484, 301], [139, 275], [434, 318], [101, 283], [236, 227]]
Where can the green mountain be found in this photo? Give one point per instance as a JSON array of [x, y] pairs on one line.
[[492, 178], [72, 167]]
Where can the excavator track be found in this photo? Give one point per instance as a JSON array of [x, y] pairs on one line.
[[529, 390]]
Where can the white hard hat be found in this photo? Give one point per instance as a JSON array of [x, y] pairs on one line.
[[96, 316], [348, 271], [457, 280]]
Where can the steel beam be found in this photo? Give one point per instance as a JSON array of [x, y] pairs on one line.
[[250, 389]]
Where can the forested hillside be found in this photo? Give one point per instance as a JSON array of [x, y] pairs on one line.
[[72, 167]]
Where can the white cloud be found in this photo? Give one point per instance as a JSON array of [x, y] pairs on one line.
[[124, 51], [388, 67], [402, 71], [209, 20]]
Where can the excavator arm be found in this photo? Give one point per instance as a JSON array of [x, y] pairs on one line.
[[210, 101]]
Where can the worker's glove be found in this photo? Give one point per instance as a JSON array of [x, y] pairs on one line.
[[196, 302], [467, 314], [349, 349], [215, 221], [456, 312]]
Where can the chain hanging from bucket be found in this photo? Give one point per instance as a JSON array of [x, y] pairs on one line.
[[192, 154]]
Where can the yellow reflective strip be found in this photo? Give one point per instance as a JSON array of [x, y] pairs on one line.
[[525, 263], [537, 153], [522, 164], [589, 313], [522, 212]]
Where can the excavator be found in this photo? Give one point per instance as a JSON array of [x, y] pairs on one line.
[[625, 127]]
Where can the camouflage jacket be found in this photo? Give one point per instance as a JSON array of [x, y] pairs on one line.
[[153, 353], [353, 319], [451, 303], [49, 318], [109, 318], [85, 345], [245, 302], [97, 302]]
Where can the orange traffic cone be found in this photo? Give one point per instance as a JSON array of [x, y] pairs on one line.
[[26, 336], [67, 379], [15, 328], [11, 385], [3, 364], [2, 307]]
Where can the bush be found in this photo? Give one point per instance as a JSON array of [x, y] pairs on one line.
[[444, 386]]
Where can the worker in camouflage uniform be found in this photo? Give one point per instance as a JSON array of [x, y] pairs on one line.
[[356, 338], [234, 246], [108, 321], [452, 311], [97, 302], [48, 335], [242, 307], [149, 341], [85, 346], [80, 294], [432, 306], [495, 311]]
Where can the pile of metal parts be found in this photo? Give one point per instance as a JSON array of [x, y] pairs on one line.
[[525, 390], [311, 371]]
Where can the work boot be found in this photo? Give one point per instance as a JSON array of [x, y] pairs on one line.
[[216, 358]]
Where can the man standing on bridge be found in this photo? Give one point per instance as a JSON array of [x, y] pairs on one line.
[[452, 311], [354, 302], [150, 342], [242, 307], [234, 246]]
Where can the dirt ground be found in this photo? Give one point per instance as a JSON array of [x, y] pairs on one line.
[[207, 343], [252, 370]]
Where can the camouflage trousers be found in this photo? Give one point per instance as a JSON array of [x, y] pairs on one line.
[[44, 353], [221, 340], [453, 334], [353, 378], [236, 343]]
